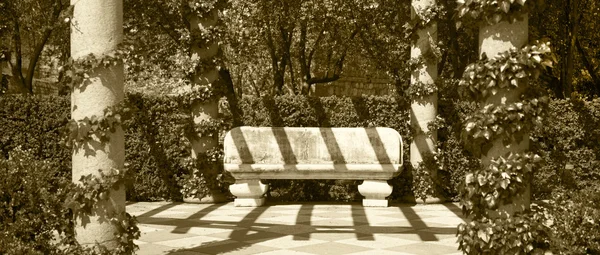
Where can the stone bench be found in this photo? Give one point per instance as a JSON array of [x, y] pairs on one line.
[[253, 154]]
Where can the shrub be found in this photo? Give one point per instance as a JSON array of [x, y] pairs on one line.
[[299, 111], [156, 147], [569, 142], [32, 216], [35, 123], [453, 160], [575, 222], [157, 152]]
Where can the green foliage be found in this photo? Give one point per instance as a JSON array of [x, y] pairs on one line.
[[575, 222], [423, 18], [35, 123], [503, 177], [92, 190], [424, 184], [497, 184], [420, 90], [156, 147], [205, 174], [569, 140], [493, 11], [522, 233], [507, 70], [79, 132], [32, 216], [78, 71], [504, 122], [299, 111], [38, 203]]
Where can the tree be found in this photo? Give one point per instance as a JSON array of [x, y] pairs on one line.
[[570, 25], [26, 28]]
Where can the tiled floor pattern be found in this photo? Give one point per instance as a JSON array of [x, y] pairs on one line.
[[312, 228]]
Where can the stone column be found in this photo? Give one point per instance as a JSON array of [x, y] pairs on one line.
[[423, 110], [206, 111], [495, 39], [97, 28]]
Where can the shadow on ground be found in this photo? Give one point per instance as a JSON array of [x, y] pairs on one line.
[[249, 230]]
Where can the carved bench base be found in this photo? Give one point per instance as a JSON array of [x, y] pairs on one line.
[[375, 193], [252, 154], [249, 193]]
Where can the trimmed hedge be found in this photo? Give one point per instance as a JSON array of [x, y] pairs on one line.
[[157, 148], [35, 123], [33, 219], [569, 141], [299, 111], [157, 153]]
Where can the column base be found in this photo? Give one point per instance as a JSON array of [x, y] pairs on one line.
[[375, 202], [248, 202]]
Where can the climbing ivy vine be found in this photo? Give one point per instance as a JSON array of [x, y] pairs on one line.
[[95, 189], [504, 180]]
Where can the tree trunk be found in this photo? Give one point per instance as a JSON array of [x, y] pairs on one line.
[[571, 28], [98, 30], [589, 66], [225, 77]]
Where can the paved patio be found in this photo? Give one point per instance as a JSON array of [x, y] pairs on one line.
[[308, 228]]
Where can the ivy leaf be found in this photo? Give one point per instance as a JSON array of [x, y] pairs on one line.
[[503, 67], [470, 126], [487, 134], [481, 180], [483, 236], [504, 183], [505, 5], [469, 178], [547, 63]]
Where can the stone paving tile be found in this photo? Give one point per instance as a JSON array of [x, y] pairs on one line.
[[425, 249], [153, 249], [320, 228], [331, 248], [380, 252], [289, 242], [285, 252], [377, 242], [192, 242], [234, 248], [153, 237]]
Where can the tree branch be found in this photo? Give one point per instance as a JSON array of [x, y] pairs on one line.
[[588, 64]]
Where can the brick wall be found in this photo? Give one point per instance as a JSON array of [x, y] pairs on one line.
[[355, 86]]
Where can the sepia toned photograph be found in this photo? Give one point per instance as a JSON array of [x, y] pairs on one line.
[[299, 127]]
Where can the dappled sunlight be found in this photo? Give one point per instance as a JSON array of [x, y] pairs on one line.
[[222, 228]]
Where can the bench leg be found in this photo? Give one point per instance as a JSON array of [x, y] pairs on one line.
[[375, 193], [249, 193]]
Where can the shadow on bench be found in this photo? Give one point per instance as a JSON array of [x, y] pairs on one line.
[[253, 154]]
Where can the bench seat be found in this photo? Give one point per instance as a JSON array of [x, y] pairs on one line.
[[252, 154]]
